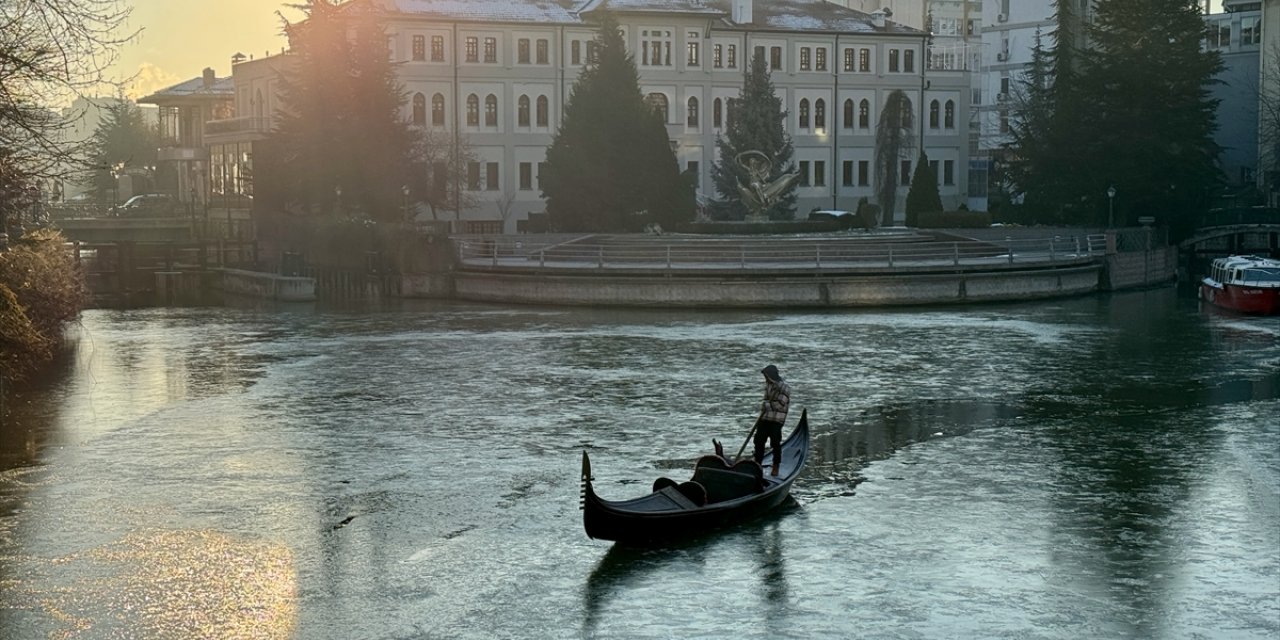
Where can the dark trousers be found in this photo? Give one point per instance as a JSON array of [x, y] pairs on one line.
[[772, 432]]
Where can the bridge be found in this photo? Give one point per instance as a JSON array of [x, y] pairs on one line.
[[1234, 231]]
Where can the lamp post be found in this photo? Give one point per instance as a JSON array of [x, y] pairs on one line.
[[1111, 206], [405, 191]]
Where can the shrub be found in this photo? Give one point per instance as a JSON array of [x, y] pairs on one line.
[[41, 289]]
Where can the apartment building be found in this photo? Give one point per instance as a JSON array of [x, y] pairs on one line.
[[497, 73], [1236, 33]]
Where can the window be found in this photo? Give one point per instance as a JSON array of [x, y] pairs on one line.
[[732, 61], [820, 59], [864, 60], [419, 109], [658, 102], [541, 167], [1219, 35], [804, 113], [758, 54], [949, 115], [949, 172], [491, 177], [775, 59], [819, 173], [473, 111], [691, 50], [864, 173], [848, 114], [849, 64], [522, 111], [473, 49], [522, 51], [491, 111], [473, 176], [846, 173], [933, 114], [575, 52], [717, 111], [437, 110], [909, 61], [806, 64], [804, 173], [542, 51], [419, 48], [864, 114], [933, 168], [655, 48], [694, 169], [1250, 31], [490, 50], [904, 176], [908, 120], [820, 114], [893, 61], [542, 111], [693, 113], [437, 48], [526, 176], [717, 56]]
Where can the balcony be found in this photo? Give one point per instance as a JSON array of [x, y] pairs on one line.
[[237, 129]]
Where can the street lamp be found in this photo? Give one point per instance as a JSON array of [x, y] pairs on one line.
[[1111, 206], [405, 191]]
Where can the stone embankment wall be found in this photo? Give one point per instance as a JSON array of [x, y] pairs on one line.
[[1139, 269], [266, 285]]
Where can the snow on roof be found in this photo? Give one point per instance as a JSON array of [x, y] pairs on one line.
[[221, 88], [814, 15], [696, 7], [545, 11]]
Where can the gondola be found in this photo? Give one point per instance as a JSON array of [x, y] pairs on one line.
[[719, 494]]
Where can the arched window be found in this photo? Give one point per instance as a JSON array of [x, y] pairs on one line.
[[491, 111], [522, 111], [658, 102], [864, 114], [437, 110], [933, 114], [473, 111], [419, 109], [820, 114], [717, 113], [804, 113], [848, 114], [693, 113], [542, 111], [949, 115]]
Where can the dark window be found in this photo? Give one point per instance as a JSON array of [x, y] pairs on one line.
[[893, 60], [693, 113], [658, 102], [419, 48], [541, 52], [473, 49], [575, 52], [805, 62], [949, 115], [542, 111], [949, 172], [849, 64], [541, 167], [864, 60], [864, 173], [491, 111], [473, 176], [526, 176], [804, 173], [904, 177], [846, 173], [692, 59], [522, 51], [437, 48], [820, 59], [804, 113], [848, 114], [933, 114], [490, 50], [491, 177], [775, 58], [717, 56], [732, 62], [473, 111], [864, 114], [819, 173], [419, 109], [820, 114], [717, 107], [437, 110], [909, 60], [522, 111]]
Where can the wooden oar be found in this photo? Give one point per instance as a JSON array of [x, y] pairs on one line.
[[752, 433]]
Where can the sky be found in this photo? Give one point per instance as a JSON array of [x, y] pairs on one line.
[[179, 38]]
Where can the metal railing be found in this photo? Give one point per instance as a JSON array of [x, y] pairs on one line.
[[524, 251]]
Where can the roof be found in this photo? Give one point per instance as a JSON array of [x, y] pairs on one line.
[[222, 88], [771, 15]]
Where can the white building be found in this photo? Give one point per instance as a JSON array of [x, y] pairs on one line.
[[499, 72]]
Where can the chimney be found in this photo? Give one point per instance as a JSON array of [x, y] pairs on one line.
[[877, 18], [742, 12], [209, 78]]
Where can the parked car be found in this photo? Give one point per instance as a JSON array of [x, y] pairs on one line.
[[146, 205]]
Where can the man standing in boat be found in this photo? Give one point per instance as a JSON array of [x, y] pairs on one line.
[[773, 413]]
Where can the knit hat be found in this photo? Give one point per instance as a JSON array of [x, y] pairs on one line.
[[771, 372]]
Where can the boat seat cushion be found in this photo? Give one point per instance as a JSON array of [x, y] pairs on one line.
[[679, 499]]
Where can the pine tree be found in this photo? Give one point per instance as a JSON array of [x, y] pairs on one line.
[[341, 130], [923, 197], [610, 166], [755, 123], [893, 140], [123, 143]]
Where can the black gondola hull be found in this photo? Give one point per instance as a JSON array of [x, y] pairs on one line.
[[659, 516]]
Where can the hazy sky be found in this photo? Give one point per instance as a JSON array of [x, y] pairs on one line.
[[181, 37]]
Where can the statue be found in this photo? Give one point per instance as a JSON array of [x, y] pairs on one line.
[[760, 193]]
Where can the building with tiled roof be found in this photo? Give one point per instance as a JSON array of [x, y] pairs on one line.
[[498, 73]]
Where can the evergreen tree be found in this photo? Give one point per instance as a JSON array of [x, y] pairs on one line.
[[342, 144], [923, 196], [756, 122], [123, 143], [610, 166], [893, 139]]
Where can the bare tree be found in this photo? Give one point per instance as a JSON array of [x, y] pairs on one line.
[[1268, 94], [51, 51], [504, 200], [440, 177]]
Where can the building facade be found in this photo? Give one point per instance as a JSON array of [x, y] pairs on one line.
[[1236, 34], [497, 74]]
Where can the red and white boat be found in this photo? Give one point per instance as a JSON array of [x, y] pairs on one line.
[[1247, 284]]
